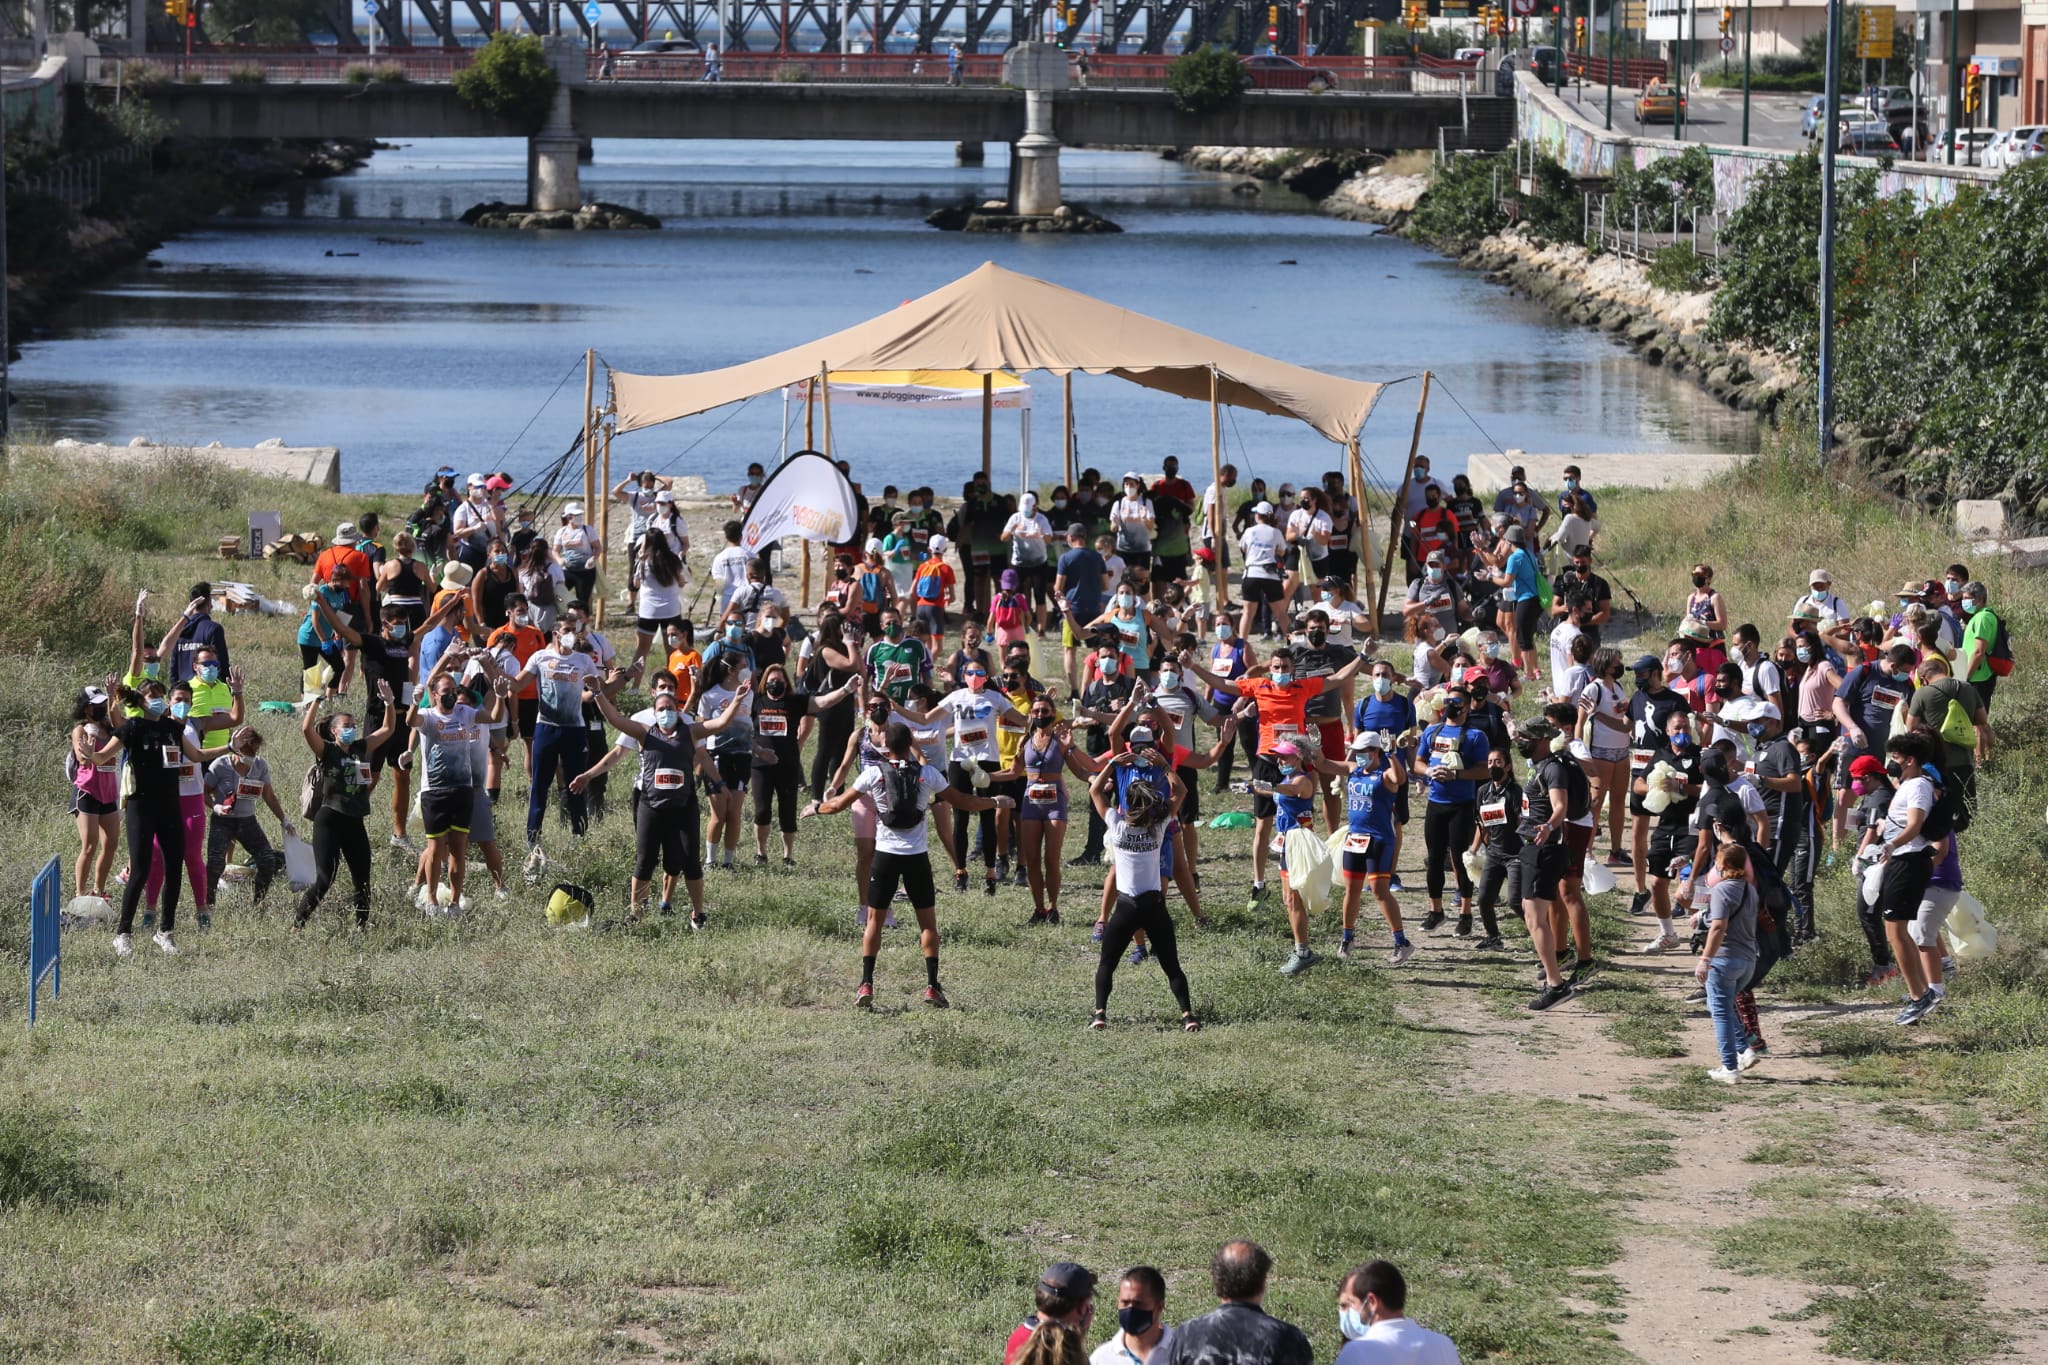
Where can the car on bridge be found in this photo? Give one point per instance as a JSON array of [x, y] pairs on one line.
[[1271, 71], [1660, 102], [670, 57], [1971, 144]]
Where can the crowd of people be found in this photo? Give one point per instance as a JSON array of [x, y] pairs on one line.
[[967, 665]]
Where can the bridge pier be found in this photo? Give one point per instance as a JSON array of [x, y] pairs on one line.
[[967, 154], [553, 182], [1037, 69]]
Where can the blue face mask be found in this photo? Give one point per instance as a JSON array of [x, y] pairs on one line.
[[1953, 585], [1681, 740], [155, 706], [347, 734], [1972, 608], [665, 719], [1351, 1324], [1287, 770], [152, 670], [180, 709], [1756, 729], [209, 672], [400, 631], [1282, 679], [1805, 656]]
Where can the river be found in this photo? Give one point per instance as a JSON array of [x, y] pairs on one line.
[[444, 343]]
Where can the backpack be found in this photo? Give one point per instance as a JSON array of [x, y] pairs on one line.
[[871, 587], [929, 587], [1008, 611], [542, 593], [901, 803], [2001, 651], [1956, 726], [569, 906], [312, 790]]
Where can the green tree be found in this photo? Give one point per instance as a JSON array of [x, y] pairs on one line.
[[1771, 273], [511, 81], [1207, 79], [270, 22]]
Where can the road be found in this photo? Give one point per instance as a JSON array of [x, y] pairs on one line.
[[1711, 116]]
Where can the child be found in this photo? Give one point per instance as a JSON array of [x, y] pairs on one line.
[[1010, 613], [931, 590]]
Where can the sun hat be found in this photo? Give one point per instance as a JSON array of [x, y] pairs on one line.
[[346, 534], [455, 576]]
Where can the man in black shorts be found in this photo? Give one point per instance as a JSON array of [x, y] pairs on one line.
[[1545, 862]]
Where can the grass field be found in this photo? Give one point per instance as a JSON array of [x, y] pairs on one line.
[[483, 1140]]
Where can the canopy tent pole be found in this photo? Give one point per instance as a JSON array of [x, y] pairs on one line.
[[1401, 505], [785, 422], [1216, 474], [1024, 484], [589, 432], [1363, 522], [988, 406], [1067, 425], [811, 415], [604, 509]]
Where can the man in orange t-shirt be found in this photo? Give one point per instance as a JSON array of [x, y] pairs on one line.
[[519, 638], [1282, 700]]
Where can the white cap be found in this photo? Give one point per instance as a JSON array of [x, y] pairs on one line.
[[1820, 576], [1370, 739], [1133, 476], [940, 545], [1263, 509], [664, 496], [573, 509], [874, 546], [476, 481], [1141, 734]]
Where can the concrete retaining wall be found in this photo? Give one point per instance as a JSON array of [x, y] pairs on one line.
[[306, 464]]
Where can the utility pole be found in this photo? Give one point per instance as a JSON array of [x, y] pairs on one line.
[[1612, 6], [1955, 77], [1748, 38], [1678, 70], [6, 399], [1827, 232]]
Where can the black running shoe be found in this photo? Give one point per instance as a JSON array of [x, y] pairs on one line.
[[1464, 929], [1432, 920], [959, 881], [1551, 995], [1639, 903], [1490, 944], [1581, 969]]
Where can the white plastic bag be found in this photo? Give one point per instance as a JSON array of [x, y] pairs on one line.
[[1309, 868], [299, 868], [1966, 931], [1873, 879], [1599, 879]]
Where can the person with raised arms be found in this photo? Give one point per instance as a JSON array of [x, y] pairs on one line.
[[344, 755], [903, 792], [1372, 787], [447, 731], [1137, 820], [868, 747]]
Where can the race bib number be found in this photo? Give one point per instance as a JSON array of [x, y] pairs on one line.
[[1042, 793], [362, 770], [1493, 813], [973, 734], [670, 779], [893, 673], [405, 694], [1357, 842], [774, 726], [171, 756], [1887, 697], [1641, 758], [249, 790], [186, 768]]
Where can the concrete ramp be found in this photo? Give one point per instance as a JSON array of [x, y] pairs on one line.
[[320, 465], [1675, 469]]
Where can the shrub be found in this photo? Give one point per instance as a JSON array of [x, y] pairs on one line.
[[355, 73], [143, 75], [263, 1336], [390, 73], [511, 81], [1462, 205], [1207, 79], [792, 73], [251, 73], [1681, 270]]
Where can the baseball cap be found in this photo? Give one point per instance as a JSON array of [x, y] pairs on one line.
[[664, 496], [1865, 765], [574, 509], [1141, 734], [1434, 559], [940, 545], [1068, 1280], [497, 483], [1009, 577], [476, 481], [1286, 748], [1646, 663], [1133, 476], [1473, 675], [1537, 729], [1516, 534], [1819, 576], [1262, 509], [873, 547], [95, 695], [1369, 739], [345, 534]]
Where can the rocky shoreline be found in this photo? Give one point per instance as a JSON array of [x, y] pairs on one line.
[[591, 217], [182, 196], [994, 216], [1611, 293]]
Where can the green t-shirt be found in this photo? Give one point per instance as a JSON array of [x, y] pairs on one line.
[[896, 668], [1983, 625]]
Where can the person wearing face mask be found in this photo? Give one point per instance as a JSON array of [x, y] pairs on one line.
[[1604, 721], [1229, 656], [1521, 606], [1217, 534], [1455, 753], [156, 745], [192, 805], [735, 649], [658, 603], [541, 583], [779, 710], [898, 661], [1134, 520], [342, 752], [1706, 606], [1986, 655], [1670, 839], [732, 754], [447, 729], [1173, 503], [391, 660], [1498, 842], [1864, 705], [1009, 613], [974, 710], [931, 591], [1372, 1316], [1181, 706], [665, 828], [1028, 533], [1135, 625], [1578, 581], [1555, 783], [199, 632], [1137, 814], [1022, 690], [1433, 530], [1650, 708], [1434, 594], [515, 642], [493, 586], [342, 563], [1044, 756], [1316, 656], [472, 523], [1107, 688], [1308, 536], [1261, 585], [1390, 709], [1371, 786], [146, 661], [323, 634], [901, 553], [580, 554], [1141, 1331], [868, 748], [1778, 769], [560, 736], [1292, 794]]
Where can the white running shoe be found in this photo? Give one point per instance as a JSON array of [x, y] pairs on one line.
[[1402, 952], [162, 940], [124, 945], [1723, 1075], [502, 894], [404, 841], [1663, 943], [1746, 1059]]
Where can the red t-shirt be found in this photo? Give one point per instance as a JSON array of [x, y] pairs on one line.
[[922, 588], [1281, 709], [343, 563], [524, 642], [1018, 1338]]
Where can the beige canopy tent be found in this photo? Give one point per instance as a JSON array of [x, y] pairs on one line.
[[995, 320]]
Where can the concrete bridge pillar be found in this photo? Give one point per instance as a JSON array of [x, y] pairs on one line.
[[967, 154], [553, 183], [1038, 69]]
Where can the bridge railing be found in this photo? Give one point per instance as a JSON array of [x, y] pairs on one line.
[[1121, 71], [1631, 73]]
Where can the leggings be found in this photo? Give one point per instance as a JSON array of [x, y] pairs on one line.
[[1872, 924], [1446, 833], [1132, 913], [958, 772], [222, 834], [193, 808], [563, 747], [335, 837], [834, 728], [580, 582], [151, 824], [1496, 876], [778, 784], [1248, 740], [667, 834]]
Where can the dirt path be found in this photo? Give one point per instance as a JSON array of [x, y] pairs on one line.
[[1677, 1306]]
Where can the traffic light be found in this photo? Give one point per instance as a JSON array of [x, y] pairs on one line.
[[1579, 25], [1973, 88], [1727, 18], [175, 11]]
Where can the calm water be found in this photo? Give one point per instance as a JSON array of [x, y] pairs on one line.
[[450, 345]]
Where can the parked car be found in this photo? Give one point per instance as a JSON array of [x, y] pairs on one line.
[[1660, 102], [1893, 103], [2025, 144], [1869, 138], [1811, 117], [1970, 146], [1271, 71], [1471, 56], [1543, 65], [661, 56]]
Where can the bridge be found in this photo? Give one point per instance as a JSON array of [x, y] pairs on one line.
[[1037, 113]]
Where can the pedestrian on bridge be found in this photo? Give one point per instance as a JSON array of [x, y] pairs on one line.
[[711, 64], [953, 64]]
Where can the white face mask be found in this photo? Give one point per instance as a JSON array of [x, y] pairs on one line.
[[568, 639]]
